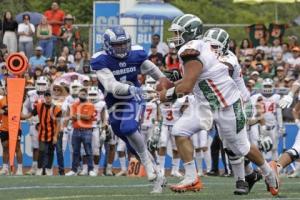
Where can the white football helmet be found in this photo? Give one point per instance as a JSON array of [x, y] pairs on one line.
[[42, 84], [75, 87], [266, 144], [267, 86], [93, 94], [218, 39]]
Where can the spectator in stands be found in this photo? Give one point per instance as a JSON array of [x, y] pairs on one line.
[[155, 56], [55, 17], [292, 41], [79, 47], [86, 67], [49, 63], [293, 64], [62, 66], [286, 53], [259, 64], [29, 80], [9, 27], [78, 61], [161, 46], [44, 35], [26, 31], [278, 60], [67, 54], [246, 48], [263, 45], [279, 78], [53, 74], [171, 60], [232, 47], [69, 33], [258, 81], [276, 48], [37, 73], [38, 60]]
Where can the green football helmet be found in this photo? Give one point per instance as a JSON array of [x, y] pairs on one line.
[[218, 39], [185, 28]]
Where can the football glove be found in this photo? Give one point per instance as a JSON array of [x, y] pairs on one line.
[[286, 101], [173, 75], [265, 144], [136, 92]]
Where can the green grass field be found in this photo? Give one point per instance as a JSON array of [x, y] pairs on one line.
[[123, 188]]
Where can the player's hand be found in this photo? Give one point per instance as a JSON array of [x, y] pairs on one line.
[[286, 101], [152, 144], [162, 95], [137, 93]]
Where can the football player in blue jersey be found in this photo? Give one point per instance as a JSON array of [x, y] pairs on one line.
[[117, 68]]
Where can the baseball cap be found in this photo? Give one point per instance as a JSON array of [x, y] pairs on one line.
[[254, 73], [280, 68], [38, 48], [61, 58]]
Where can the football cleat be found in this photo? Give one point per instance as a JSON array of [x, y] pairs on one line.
[[49, 172], [19, 172], [39, 172], [241, 188], [188, 184], [295, 174], [251, 179], [159, 183], [83, 172], [151, 174], [176, 174], [122, 173], [71, 173], [272, 180], [92, 173], [31, 172], [4, 172]]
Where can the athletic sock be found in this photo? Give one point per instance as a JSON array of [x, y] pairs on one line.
[[34, 165], [207, 159], [175, 164], [84, 167], [5, 166], [265, 168], [161, 163], [190, 170], [199, 161], [238, 170], [123, 163]]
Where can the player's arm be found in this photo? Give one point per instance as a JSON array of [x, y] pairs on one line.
[[296, 113], [110, 84], [192, 68], [29, 114], [149, 68], [103, 117]]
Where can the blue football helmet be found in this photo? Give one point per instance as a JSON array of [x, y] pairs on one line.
[[117, 42]]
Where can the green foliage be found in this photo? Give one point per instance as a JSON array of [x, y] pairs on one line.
[[227, 12]]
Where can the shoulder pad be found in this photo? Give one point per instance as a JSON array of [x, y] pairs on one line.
[[136, 48]]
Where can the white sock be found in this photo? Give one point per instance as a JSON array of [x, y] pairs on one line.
[[207, 159], [199, 161], [248, 169], [238, 171], [265, 168], [96, 167], [20, 167], [190, 169], [5, 166], [176, 163], [297, 166], [84, 167], [123, 163], [34, 165], [109, 167], [161, 162]]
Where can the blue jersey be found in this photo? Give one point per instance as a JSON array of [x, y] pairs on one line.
[[124, 70]]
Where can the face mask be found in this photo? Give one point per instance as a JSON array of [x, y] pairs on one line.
[[82, 99]]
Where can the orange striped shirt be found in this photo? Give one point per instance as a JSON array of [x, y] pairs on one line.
[[48, 117]]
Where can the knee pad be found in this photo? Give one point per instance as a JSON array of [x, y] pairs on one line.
[[234, 159], [293, 153]]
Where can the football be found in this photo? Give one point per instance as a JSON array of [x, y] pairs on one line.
[[164, 83]]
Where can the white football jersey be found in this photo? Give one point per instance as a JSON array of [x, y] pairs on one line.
[[270, 105], [237, 74], [214, 86], [171, 112], [99, 106], [150, 114], [31, 98], [67, 103]]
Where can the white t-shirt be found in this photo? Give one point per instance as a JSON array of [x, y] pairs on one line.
[[25, 28]]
